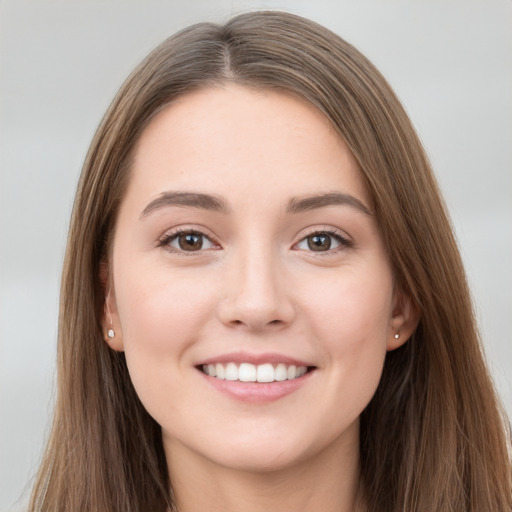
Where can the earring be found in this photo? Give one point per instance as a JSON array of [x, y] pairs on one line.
[[397, 336], [110, 333]]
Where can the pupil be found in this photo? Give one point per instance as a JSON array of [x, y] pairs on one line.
[[190, 242], [319, 242]]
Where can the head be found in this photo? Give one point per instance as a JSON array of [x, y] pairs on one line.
[[417, 400]]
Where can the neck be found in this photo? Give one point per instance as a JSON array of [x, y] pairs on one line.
[[329, 483]]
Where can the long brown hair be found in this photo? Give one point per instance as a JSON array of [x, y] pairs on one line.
[[432, 438]]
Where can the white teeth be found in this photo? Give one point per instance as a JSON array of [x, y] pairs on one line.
[[281, 372], [247, 372], [231, 371], [292, 372], [219, 370], [265, 373]]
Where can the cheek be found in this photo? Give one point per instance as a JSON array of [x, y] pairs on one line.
[[160, 309], [351, 325], [161, 316]]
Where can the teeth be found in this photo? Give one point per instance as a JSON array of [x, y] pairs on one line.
[[247, 372], [281, 372], [265, 373], [219, 371], [231, 371]]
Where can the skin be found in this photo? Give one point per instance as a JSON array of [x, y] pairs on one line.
[[255, 287]]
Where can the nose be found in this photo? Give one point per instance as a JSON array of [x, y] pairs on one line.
[[257, 295]]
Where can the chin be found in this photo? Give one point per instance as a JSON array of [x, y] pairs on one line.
[[260, 458], [265, 450]]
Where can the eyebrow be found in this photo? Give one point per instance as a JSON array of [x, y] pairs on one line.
[[190, 199], [299, 205], [214, 203]]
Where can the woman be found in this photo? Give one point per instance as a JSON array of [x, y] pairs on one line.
[[263, 306]]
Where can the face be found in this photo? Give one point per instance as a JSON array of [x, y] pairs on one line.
[[250, 288]]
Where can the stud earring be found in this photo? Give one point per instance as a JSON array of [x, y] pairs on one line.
[[397, 336], [110, 333]]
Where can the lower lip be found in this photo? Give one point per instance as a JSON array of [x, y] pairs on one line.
[[257, 392]]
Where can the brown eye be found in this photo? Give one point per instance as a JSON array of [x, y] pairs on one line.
[[190, 242], [319, 242], [324, 241], [187, 241]]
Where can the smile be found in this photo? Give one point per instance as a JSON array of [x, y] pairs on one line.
[[248, 372]]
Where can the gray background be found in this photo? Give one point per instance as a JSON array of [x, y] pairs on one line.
[[60, 65]]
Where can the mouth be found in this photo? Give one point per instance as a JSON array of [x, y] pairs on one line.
[[261, 373]]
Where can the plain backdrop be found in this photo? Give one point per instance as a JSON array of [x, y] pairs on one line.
[[60, 65]]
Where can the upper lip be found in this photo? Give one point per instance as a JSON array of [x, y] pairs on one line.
[[256, 359]]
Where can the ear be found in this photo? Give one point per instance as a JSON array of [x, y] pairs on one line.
[[111, 327], [404, 320]]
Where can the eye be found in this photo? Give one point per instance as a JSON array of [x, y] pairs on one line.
[[323, 241], [187, 241]]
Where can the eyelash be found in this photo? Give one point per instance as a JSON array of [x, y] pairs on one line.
[[344, 242], [169, 237]]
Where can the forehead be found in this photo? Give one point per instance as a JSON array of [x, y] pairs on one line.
[[231, 138]]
